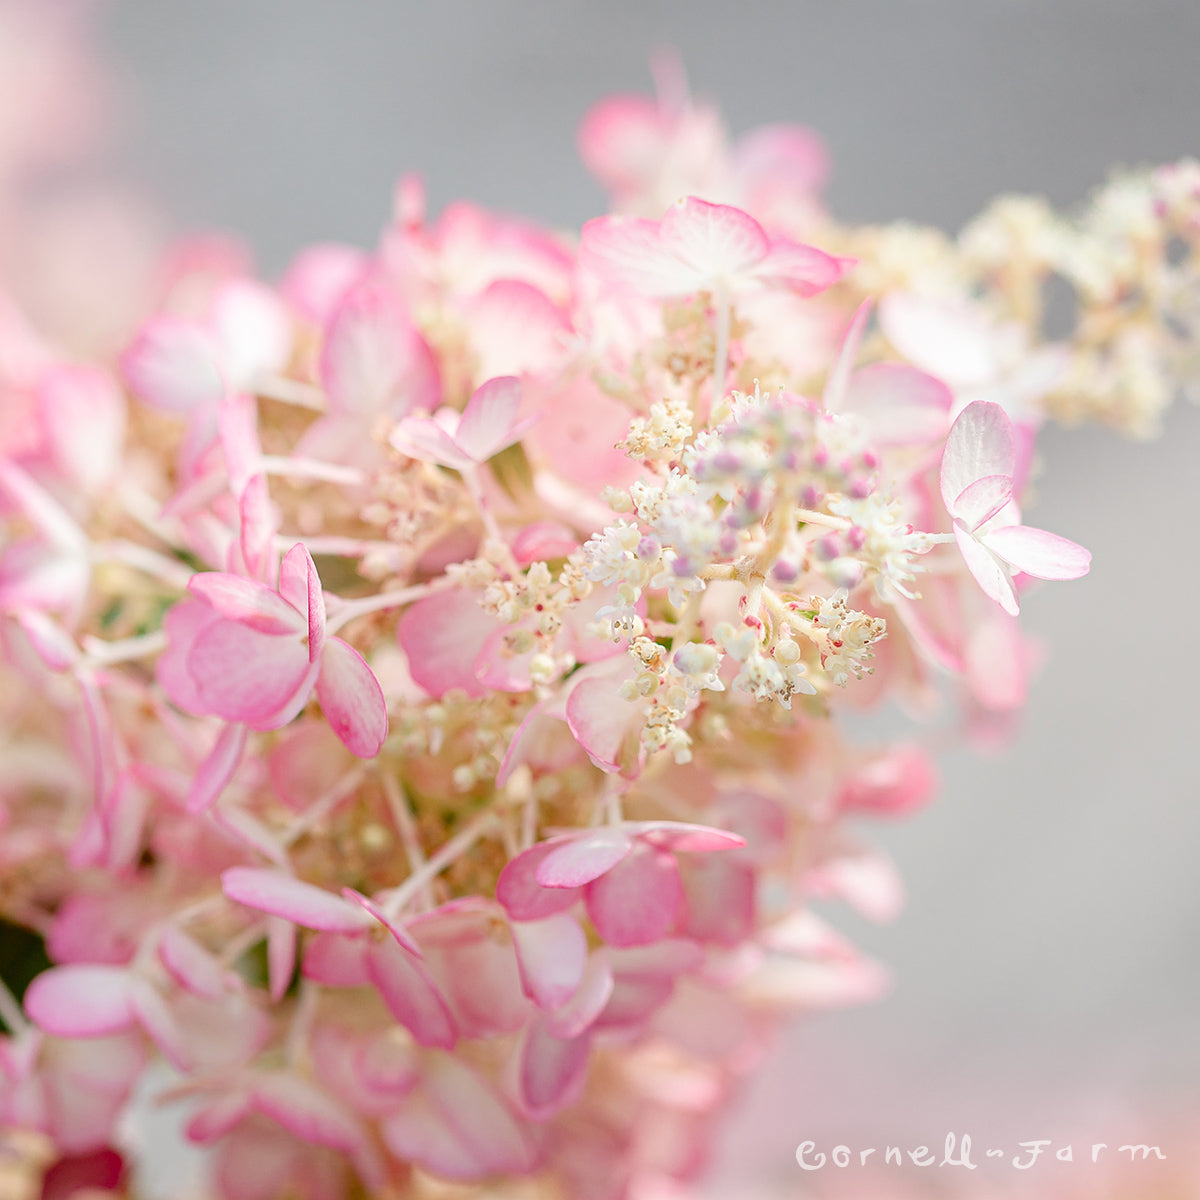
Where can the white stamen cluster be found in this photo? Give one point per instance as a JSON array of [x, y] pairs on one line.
[[845, 637], [881, 543]]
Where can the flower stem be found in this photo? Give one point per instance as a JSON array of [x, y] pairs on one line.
[[311, 468], [406, 826], [167, 570], [445, 856], [10, 1011], [290, 391], [721, 360], [107, 654], [348, 610]]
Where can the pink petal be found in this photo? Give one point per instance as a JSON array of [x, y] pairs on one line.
[[258, 1161], [515, 329], [215, 1120], [82, 1093], [319, 278], [306, 763], [636, 903], [839, 375], [253, 330], [542, 740], [248, 602], [84, 415], [442, 636], [683, 836], [397, 931], [490, 418], [337, 960], [281, 956], [578, 424], [791, 157], [183, 624], [411, 996], [498, 669], [980, 443], [998, 663], [315, 602], [802, 269], [868, 881], [475, 970], [385, 1067], [621, 140], [457, 1125], [157, 1020], [552, 954], [948, 338], [237, 427], [543, 540], [351, 699], [719, 900], [634, 1000], [425, 439], [217, 769], [81, 1000], [259, 521], [717, 240], [293, 578], [518, 890], [191, 965], [577, 635], [580, 858], [982, 500], [305, 1110], [927, 633], [415, 1131], [246, 828], [95, 1173], [48, 640], [990, 573], [284, 896], [37, 577], [895, 783], [581, 1010], [373, 361], [900, 405], [627, 252], [58, 526], [1038, 553], [173, 365], [605, 724], [552, 1070], [246, 676]]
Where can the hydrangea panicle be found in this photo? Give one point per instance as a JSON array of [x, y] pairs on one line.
[[482, 856]]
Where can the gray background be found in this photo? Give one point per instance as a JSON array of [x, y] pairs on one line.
[[1048, 962]]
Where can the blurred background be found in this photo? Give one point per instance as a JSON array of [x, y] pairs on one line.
[[1047, 965]]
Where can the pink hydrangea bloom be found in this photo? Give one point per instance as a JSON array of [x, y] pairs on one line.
[[698, 245], [977, 490], [626, 875], [254, 655]]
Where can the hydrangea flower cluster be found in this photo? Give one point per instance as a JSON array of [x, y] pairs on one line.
[[422, 673]]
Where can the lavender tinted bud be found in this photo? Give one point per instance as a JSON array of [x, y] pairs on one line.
[[827, 548], [846, 572]]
